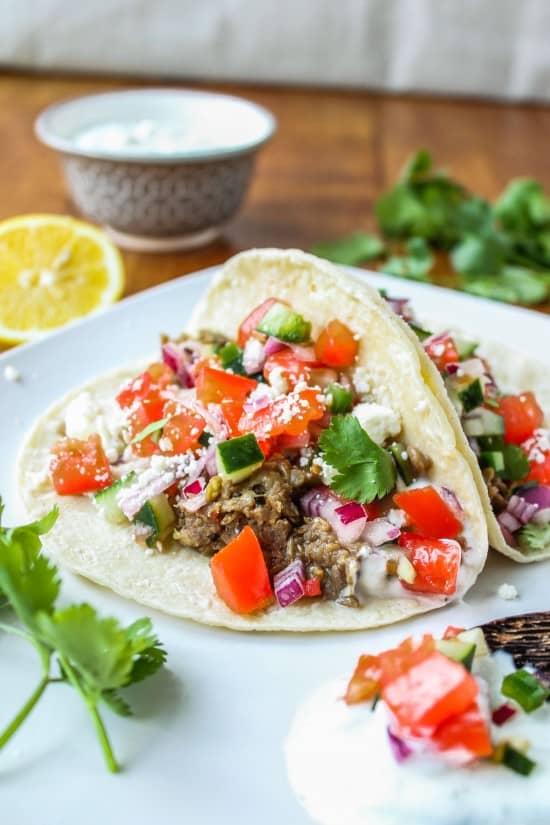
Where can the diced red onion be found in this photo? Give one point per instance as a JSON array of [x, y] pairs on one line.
[[210, 463], [399, 747], [521, 509], [539, 495], [191, 505], [215, 421], [196, 486], [473, 367], [351, 511], [273, 345], [400, 306], [379, 531], [509, 537], [305, 354], [258, 400], [508, 521], [289, 583], [451, 500], [179, 360], [452, 368], [503, 713], [323, 503], [253, 356]]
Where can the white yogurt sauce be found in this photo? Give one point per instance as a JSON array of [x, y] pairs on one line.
[[341, 767], [157, 137]]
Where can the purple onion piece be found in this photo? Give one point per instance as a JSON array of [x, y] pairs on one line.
[[503, 713], [539, 495], [521, 509], [273, 345], [289, 584], [379, 531], [351, 511], [508, 521], [178, 359], [399, 747]]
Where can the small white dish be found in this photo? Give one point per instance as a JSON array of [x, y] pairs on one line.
[[161, 169]]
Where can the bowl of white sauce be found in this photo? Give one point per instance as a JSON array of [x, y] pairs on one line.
[[161, 169]]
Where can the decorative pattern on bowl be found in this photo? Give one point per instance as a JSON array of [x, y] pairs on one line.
[[159, 200]]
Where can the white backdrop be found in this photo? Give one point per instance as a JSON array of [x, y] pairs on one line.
[[487, 47]]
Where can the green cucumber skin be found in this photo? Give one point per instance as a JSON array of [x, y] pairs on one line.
[[404, 466], [471, 396], [106, 499], [282, 322], [483, 422], [157, 514], [492, 459], [465, 348], [461, 652], [239, 457], [342, 399]]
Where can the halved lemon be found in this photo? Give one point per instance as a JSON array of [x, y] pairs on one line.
[[53, 269]]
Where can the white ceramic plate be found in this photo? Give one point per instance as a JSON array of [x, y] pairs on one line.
[[205, 747]]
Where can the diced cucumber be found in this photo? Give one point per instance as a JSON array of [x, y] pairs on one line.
[[341, 399], [420, 333], [106, 500], [239, 457], [483, 422], [404, 466], [477, 637], [458, 651], [516, 463], [494, 459], [205, 438], [157, 515], [471, 396], [282, 322], [492, 443], [231, 357], [517, 761], [465, 348]]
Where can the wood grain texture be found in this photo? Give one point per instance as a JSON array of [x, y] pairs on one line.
[[334, 153]]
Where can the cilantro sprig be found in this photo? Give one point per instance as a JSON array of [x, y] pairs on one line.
[[365, 470], [97, 656], [499, 251]]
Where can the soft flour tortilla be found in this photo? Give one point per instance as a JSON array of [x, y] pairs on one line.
[[179, 582], [514, 372]]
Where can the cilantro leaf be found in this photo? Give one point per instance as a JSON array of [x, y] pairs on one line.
[[514, 284], [352, 249], [416, 166], [479, 254], [534, 537], [516, 463], [365, 470], [414, 265], [27, 579], [116, 703]]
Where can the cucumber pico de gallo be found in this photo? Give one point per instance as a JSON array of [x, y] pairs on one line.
[[507, 433], [434, 730], [268, 455]]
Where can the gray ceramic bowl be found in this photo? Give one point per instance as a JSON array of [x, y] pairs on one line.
[[161, 169]]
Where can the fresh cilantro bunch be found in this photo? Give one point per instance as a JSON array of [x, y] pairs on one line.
[[499, 251], [365, 470], [96, 656]]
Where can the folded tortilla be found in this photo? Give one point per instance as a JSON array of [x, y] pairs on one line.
[[514, 372], [400, 376]]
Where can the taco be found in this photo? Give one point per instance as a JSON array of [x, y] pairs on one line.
[[502, 400], [284, 466]]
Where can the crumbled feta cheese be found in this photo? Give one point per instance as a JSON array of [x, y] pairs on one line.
[[11, 373], [165, 444], [328, 472], [538, 446], [306, 456], [278, 381], [507, 592], [378, 421], [361, 381], [85, 415]]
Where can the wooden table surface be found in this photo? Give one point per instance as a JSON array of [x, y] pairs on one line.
[[333, 154]]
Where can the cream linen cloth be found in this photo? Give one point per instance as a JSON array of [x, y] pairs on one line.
[[480, 47]]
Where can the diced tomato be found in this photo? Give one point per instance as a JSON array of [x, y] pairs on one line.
[[289, 367], [252, 321], [442, 350], [312, 587], [232, 412], [294, 442], [540, 470], [373, 672], [467, 733], [429, 512], [240, 574], [436, 563], [214, 386], [162, 374], [145, 394], [266, 446], [336, 346], [522, 416], [288, 415], [452, 632], [182, 429], [79, 466], [430, 693]]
